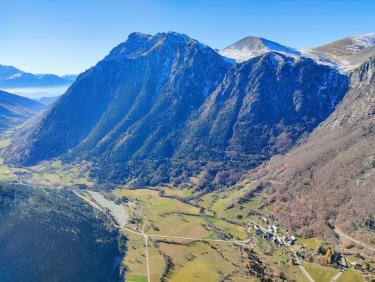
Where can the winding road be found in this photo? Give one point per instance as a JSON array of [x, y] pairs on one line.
[[340, 233]]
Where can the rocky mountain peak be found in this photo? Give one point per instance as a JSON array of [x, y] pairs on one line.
[[140, 44], [252, 46]]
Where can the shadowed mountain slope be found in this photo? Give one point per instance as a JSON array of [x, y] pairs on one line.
[[140, 93], [330, 176], [261, 109], [163, 107], [51, 235], [15, 109]]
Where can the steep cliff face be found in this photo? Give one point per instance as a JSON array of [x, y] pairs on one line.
[[261, 108], [163, 107], [330, 176]]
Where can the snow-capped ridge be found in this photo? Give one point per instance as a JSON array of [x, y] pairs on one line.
[[362, 41], [252, 46], [347, 53], [338, 54], [140, 44]]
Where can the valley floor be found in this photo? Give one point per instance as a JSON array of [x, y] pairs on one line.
[[172, 239], [177, 234]]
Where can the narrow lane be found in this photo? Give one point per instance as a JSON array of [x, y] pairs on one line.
[[337, 276], [341, 233]]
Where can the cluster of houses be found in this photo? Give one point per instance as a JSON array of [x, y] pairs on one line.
[[325, 256], [271, 233]]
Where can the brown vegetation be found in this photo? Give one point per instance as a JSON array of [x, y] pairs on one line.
[[328, 179]]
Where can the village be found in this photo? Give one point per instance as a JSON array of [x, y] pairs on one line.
[[326, 255]]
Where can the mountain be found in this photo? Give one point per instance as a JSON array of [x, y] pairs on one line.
[[144, 89], [349, 52], [48, 100], [14, 109], [70, 77], [165, 108], [11, 77], [344, 54], [348, 46], [329, 177], [251, 46], [262, 107]]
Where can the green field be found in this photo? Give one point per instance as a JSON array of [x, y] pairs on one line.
[[188, 259], [319, 272], [199, 261], [351, 275], [135, 260], [137, 278], [311, 243]]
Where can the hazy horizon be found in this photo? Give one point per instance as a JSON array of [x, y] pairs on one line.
[[70, 36], [37, 92]]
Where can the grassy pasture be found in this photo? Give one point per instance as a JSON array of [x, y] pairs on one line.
[[351, 275], [198, 261], [319, 272]]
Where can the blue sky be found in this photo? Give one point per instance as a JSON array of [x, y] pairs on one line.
[[69, 36]]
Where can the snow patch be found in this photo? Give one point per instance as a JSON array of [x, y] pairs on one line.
[[251, 47], [14, 76], [243, 54], [362, 41], [311, 54]]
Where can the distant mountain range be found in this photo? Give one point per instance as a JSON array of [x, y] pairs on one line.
[[15, 109], [11, 77]]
